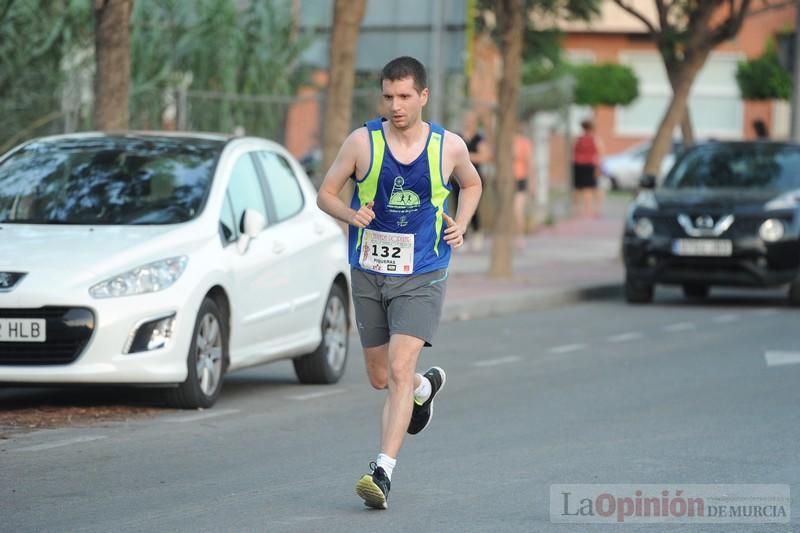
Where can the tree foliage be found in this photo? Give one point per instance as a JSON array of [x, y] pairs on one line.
[[605, 84], [220, 46], [763, 78], [216, 46], [35, 36]]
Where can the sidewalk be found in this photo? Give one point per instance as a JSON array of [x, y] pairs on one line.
[[575, 259]]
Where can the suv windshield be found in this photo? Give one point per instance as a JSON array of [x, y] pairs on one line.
[[765, 166], [107, 180]]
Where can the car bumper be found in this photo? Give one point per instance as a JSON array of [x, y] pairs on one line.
[[102, 358], [753, 263]]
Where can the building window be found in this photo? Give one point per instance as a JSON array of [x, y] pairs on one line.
[[714, 103]]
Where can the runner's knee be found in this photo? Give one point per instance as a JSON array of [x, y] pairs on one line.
[[378, 379]]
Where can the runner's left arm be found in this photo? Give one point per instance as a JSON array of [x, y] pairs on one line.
[[470, 187]]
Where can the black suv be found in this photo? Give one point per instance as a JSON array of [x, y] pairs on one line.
[[728, 213]]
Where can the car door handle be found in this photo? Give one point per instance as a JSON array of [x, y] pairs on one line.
[[278, 247]]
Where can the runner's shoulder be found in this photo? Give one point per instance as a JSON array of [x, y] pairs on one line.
[[359, 137], [453, 142]]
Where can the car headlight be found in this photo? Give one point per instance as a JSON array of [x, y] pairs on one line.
[[789, 200], [771, 230], [643, 228], [144, 279]]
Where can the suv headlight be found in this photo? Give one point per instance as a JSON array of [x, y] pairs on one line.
[[643, 228], [771, 230], [152, 277]]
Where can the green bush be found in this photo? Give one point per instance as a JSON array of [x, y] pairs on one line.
[[605, 84], [763, 78]]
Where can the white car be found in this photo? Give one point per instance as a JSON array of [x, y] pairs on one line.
[[624, 169], [155, 259]]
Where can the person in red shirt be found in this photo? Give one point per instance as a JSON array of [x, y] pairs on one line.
[[586, 163], [523, 150]]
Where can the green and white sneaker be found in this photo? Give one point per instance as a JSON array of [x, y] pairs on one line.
[[374, 488], [423, 413]]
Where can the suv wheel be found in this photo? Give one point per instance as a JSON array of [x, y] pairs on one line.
[[794, 293], [637, 292]]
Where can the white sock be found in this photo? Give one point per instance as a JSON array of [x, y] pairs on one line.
[[423, 392], [387, 463]]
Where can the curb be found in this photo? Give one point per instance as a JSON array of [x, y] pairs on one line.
[[468, 309]]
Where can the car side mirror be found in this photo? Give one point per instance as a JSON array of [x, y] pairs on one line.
[[647, 181], [252, 224]]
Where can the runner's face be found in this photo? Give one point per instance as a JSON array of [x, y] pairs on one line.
[[402, 103]]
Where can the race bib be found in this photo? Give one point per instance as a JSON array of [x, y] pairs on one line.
[[387, 253]]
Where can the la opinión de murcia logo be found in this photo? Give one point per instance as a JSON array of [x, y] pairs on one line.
[[652, 504]]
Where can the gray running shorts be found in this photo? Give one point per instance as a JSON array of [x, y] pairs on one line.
[[408, 305]]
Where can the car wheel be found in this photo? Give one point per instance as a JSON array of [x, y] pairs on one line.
[[637, 292], [326, 363], [696, 291], [206, 361], [794, 294]]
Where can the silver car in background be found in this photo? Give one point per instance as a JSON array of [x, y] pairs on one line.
[[623, 170]]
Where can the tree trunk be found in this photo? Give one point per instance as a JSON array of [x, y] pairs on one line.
[[113, 63], [684, 78], [511, 23], [687, 129], [347, 16]]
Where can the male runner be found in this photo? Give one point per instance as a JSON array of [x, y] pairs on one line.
[[400, 238]]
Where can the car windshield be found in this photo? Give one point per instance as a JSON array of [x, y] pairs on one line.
[[107, 180], [764, 166]]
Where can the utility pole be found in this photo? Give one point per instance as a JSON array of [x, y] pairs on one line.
[[796, 76], [437, 67]]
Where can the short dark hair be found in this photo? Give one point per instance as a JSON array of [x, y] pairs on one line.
[[405, 67]]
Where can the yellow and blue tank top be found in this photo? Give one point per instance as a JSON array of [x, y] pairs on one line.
[[409, 199]]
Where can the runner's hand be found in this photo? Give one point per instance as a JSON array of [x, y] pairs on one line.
[[454, 234], [363, 216]]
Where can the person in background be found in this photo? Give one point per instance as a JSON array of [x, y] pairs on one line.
[[586, 163], [523, 153], [479, 153], [760, 129]]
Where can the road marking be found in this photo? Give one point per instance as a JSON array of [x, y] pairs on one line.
[[766, 312], [778, 358], [204, 416], [679, 326], [59, 444], [625, 337], [725, 319], [566, 348], [498, 361], [314, 395]]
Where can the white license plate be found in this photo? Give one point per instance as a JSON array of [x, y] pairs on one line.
[[23, 330], [703, 247]]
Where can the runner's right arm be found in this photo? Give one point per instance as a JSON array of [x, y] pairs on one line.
[[342, 168]]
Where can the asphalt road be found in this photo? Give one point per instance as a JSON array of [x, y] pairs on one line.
[[597, 392]]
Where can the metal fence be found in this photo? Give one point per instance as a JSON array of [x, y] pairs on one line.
[[297, 122]]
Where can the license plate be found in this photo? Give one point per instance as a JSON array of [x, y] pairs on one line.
[[703, 247], [23, 330]]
